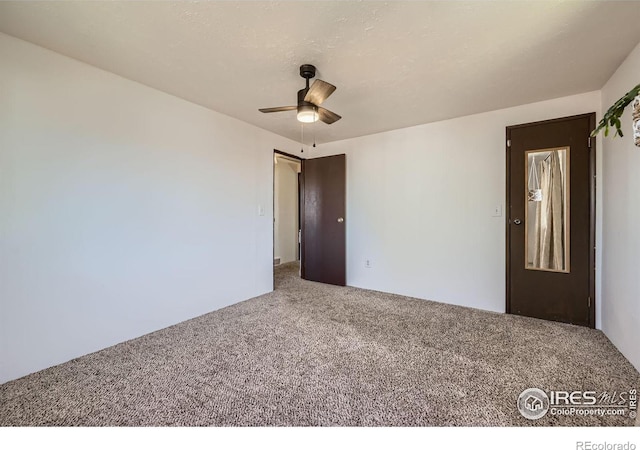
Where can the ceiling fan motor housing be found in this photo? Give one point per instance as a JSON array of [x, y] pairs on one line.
[[301, 95]]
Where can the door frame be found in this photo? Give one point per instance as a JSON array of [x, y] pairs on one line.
[[592, 209], [273, 206]]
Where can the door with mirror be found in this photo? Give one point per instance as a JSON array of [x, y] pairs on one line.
[[550, 226]]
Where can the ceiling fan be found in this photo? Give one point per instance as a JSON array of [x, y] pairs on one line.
[[309, 99]]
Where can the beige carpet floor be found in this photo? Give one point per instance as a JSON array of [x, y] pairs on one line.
[[313, 354]]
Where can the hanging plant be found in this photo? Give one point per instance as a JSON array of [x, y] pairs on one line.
[[612, 116], [636, 120]]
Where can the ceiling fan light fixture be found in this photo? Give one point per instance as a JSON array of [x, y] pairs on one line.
[[307, 114]]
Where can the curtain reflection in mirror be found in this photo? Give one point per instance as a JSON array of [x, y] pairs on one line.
[[547, 224]]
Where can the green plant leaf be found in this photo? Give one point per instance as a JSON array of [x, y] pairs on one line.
[[613, 114]]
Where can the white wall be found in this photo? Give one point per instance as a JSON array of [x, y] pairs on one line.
[[286, 211], [420, 202], [621, 237], [122, 209]]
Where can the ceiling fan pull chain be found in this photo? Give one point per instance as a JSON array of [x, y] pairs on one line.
[[301, 138]]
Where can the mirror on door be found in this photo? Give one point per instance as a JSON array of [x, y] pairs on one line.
[[547, 211]]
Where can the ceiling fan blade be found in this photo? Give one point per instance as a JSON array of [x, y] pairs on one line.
[[278, 109], [319, 92], [327, 116]]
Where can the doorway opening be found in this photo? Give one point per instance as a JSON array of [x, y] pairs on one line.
[[287, 171], [309, 225]]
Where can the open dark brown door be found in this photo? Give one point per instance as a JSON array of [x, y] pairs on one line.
[[550, 229], [323, 220]]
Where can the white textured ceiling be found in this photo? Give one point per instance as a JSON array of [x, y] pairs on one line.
[[396, 64]]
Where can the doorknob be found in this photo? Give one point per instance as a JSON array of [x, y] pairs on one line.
[[517, 221], [340, 220]]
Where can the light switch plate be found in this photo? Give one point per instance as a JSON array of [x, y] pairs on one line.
[[260, 210], [497, 211]]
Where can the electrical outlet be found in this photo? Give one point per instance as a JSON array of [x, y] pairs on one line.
[[367, 263]]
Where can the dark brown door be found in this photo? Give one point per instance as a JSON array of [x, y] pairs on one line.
[[550, 220], [323, 220]]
